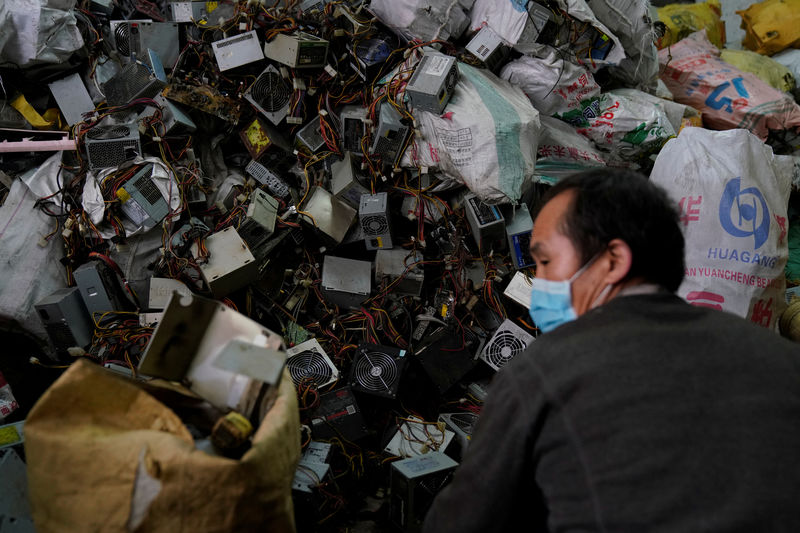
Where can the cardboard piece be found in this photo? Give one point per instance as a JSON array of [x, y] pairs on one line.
[[104, 455]]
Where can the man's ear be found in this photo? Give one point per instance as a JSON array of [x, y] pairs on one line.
[[620, 259]]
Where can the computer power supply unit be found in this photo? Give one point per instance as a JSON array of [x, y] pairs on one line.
[[72, 98], [338, 415], [238, 50], [402, 268], [112, 145], [270, 94], [267, 178], [489, 48], [346, 282], [299, 50], [100, 289], [308, 363], [448, 354], [373, 214], [433, 82], [518, 231], [378, 370], [309, 138], [142, 201], [390, 135], [134, 81], [259, 223], [328, 215], [414, 483], [354, 127], [132, 38], [462, 424], [344, 183], [172, 121], [508, 341], [230, 265], [260, 136], [65, 319], [486, 222]]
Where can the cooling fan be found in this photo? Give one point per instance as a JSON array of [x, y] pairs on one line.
[[377, 370], [375, 225], [108, 133], [270, 94], [508, 341], [308, 362]]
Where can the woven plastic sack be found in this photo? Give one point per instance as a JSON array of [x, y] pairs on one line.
[[510, 20], [769, 70], [563, 151], [682, 20], [552, 84], [733, 193], [486, 140], [771, 26], [423, 20], [727, 97], [628, 127]]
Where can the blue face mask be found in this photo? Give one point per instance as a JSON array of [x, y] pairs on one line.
[[551, 301]]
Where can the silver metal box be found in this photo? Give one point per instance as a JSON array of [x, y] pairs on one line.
[[299, 50], [396, 263], [433, 82], [354, 127], [489, 48], [72, 98], [266, 177], [174, 119], [344, 184], [518, 231], [486, 221], [373, 214], [346, 282], [65, 319], [390, 136], [330, 216], [237, 50], [259, 223], [270, 94], [142, 200], [230, 264]]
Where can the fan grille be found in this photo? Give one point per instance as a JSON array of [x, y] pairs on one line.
[[122, 39], [503, 347], [106, 133], [376, 372], [375, 225], [311, 365], [270, 92]]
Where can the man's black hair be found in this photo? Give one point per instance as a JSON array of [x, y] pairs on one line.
[[621, 204]]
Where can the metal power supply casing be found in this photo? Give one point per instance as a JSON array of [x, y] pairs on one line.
[[373, 214], [65, 319], [414, 484], [259, 223], [230, 264], [393, 263], [346, 282], [344, 184], [433, 82], [301, 50], [486, 221], [518, 230]]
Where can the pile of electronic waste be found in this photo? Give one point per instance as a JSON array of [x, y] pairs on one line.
[[356, 178]]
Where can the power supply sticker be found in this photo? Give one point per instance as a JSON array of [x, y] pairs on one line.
[[437, 65]]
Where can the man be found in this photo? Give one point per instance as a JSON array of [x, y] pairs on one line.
[[635, 411]]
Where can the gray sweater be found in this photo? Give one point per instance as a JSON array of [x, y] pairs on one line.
[[645, 414]]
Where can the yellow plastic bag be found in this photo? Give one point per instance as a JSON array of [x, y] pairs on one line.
[[684, 19], [765, 68], [771, 26]]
